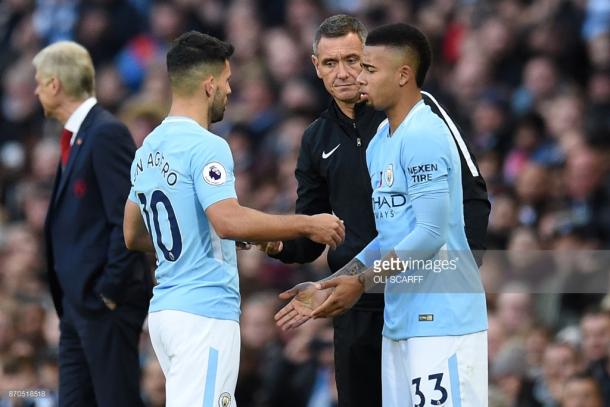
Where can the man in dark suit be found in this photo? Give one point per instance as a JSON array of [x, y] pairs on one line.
[[100, 289]]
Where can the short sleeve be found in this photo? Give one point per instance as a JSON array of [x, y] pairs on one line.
[[425, 156], [212, 171]]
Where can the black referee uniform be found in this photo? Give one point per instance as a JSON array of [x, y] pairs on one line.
[[333, 177]]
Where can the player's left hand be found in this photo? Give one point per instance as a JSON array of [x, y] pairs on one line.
[[305, 297], [346, 290]]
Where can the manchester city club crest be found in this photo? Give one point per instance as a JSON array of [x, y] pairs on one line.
[[224, 400], [389, 175]]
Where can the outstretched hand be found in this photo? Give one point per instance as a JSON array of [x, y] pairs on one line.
[[305, 297]]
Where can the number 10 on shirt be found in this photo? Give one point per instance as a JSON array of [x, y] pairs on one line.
[[159, 198]]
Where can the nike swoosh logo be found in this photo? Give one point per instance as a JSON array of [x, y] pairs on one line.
[[326, 155]]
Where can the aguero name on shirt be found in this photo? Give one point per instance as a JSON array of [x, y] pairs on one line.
[[156, 160]]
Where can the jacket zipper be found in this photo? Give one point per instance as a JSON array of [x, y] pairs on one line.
[[362, 151]]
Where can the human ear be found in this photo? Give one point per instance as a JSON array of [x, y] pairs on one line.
[[209, 86], [316, 64], [406, 73], [55, 85]]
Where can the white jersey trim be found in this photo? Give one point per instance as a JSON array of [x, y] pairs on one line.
[[457, 136]]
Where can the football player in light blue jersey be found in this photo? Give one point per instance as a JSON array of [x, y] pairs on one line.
[[182, 206], [434, 349]]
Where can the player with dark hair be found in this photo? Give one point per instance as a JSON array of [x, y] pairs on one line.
[[434, 349], [333, 177], [182, 206]]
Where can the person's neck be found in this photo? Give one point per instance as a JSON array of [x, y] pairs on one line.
[[190, 108], [66, 109], [397, 113], [347, 108]]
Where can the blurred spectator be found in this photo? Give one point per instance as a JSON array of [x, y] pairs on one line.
[[243, 30], [512, 387], [514, 311], [166, 23], [558, 365], [259, 341], [110, 89], [528, 144], [35, 202], [581, 391], [595, 331], [536, 343], [55, 19], [532, 188], [502, 220], [303, 373], [45, 156], [600, 370], [489, 123], [141, 117], [540, 82], [496, 337], [105, 26]]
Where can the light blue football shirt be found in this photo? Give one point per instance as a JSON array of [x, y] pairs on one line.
[[417, 202], [180, 170]]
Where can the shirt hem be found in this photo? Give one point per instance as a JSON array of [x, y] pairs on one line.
[[227, 317]]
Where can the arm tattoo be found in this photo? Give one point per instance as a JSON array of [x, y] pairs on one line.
[[353, 268]]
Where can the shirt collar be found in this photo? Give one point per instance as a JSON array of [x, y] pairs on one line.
[[173, 119], [78, 116]]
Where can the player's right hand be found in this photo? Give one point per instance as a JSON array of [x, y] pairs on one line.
[[327, 229]]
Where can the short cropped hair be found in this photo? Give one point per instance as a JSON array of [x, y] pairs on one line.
[[71, 64], [406, 37], [194, 55], [338, 26]]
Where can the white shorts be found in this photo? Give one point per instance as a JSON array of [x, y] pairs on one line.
[[199, 357], [448, 371]]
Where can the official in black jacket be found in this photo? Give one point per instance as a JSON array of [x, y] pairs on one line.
[[333, 177]]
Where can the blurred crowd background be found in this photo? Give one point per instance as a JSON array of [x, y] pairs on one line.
[[527, 81]]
